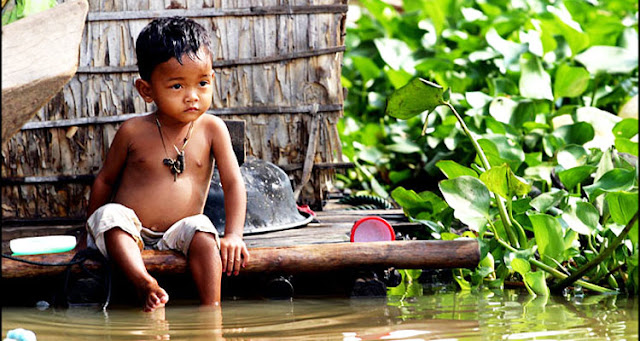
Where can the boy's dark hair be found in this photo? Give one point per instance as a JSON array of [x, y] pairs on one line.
[[166, 38]]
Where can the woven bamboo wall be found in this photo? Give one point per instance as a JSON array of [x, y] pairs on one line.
[[277, 66]]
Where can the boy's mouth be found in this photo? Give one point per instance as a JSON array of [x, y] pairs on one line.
[[192, 109]]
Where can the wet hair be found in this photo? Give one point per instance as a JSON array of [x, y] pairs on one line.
[[166, 38]]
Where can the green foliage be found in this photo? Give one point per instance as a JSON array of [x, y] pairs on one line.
[[539, 167], [18, 9]]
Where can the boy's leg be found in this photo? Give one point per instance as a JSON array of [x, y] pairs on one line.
[[124, 251], [206, 267]]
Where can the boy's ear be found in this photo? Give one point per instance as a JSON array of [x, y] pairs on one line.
[[144, 89]]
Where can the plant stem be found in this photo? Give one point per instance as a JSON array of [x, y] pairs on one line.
[[599, 258], [522, 237], [508, 226], [554, 272], [557, 274]]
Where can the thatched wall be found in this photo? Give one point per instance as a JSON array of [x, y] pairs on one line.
[[277, 66]]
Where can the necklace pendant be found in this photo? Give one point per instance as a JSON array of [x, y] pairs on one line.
[[180, 162]]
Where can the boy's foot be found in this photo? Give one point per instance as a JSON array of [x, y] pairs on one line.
[[153, 295]]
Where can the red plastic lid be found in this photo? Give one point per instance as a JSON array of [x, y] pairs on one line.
[[372, 229]]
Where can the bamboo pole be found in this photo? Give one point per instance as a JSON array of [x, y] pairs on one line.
[[414, 254]]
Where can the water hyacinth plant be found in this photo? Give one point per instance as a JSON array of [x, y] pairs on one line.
[[563, 233], [522, 138]]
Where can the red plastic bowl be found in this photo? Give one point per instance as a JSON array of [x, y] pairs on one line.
[[372, 229]]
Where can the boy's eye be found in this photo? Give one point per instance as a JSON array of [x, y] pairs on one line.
[[176, 86], [203, 83]]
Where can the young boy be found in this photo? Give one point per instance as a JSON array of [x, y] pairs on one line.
[[154, 183]]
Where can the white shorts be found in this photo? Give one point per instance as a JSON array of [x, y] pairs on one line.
[[177, 237]]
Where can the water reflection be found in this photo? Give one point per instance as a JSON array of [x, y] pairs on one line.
[[506, 315]]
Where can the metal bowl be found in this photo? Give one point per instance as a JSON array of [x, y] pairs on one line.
[[270, 202]]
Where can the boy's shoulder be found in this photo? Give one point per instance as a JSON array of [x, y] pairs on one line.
[[136, 122], [212, 122], [132, 126]]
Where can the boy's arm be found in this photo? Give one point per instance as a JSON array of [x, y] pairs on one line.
[[233, 250], [104, 183]]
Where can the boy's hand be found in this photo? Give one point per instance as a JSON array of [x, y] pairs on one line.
[[234, 253]]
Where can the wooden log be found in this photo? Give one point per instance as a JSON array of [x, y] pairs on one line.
[[39, 56], [414, 254]]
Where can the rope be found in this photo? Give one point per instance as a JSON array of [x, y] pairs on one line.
[[72, 262], [78, 259]]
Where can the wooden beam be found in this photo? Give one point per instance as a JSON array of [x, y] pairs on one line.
[[225, 63], [253, 110], [413, 254], [218, 12]]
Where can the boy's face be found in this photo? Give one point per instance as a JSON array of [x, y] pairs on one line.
[[182, 92]]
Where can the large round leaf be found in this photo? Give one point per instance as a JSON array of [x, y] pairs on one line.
[[622, 205], [414, 98], [549, 236], [469, 198], [570, 81], [543, 202], [504, 182], [452, 169], [608, 59], [534, 81], [582, 218], [617, 179], [570, 178]]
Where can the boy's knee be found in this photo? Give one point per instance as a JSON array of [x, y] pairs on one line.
[[206, 240]]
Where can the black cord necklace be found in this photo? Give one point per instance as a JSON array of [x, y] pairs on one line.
[[176, 166]]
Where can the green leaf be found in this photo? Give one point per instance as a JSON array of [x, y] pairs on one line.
[[627, 128], [540, 172], [404, 146], [414, 98], [622, 206], [617, 179], [504, 182], [509, 50], [534, 81], [608, 59], [452, 169], [398, 78], [572, 156], [570, 81], [548, 234], [545, 201], [577, 133], [367, 68], [582, 218], [477, 99], [414, 204], [396, 53], [570, 178], [520, 266], [469, 198], [501, 149], [537, 282], [625, 145], [501, 108]]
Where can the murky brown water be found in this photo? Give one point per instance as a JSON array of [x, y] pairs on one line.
[[507, 315]]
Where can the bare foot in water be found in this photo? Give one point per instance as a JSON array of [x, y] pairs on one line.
[[153, 295]]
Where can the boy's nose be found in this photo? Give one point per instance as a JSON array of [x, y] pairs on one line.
[[192, 96]]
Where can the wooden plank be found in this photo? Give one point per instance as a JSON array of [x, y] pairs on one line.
[[423, 254], [255, 110], [217, 12], [223, 63]]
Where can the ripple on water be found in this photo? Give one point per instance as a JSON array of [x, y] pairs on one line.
[[454, 315]]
